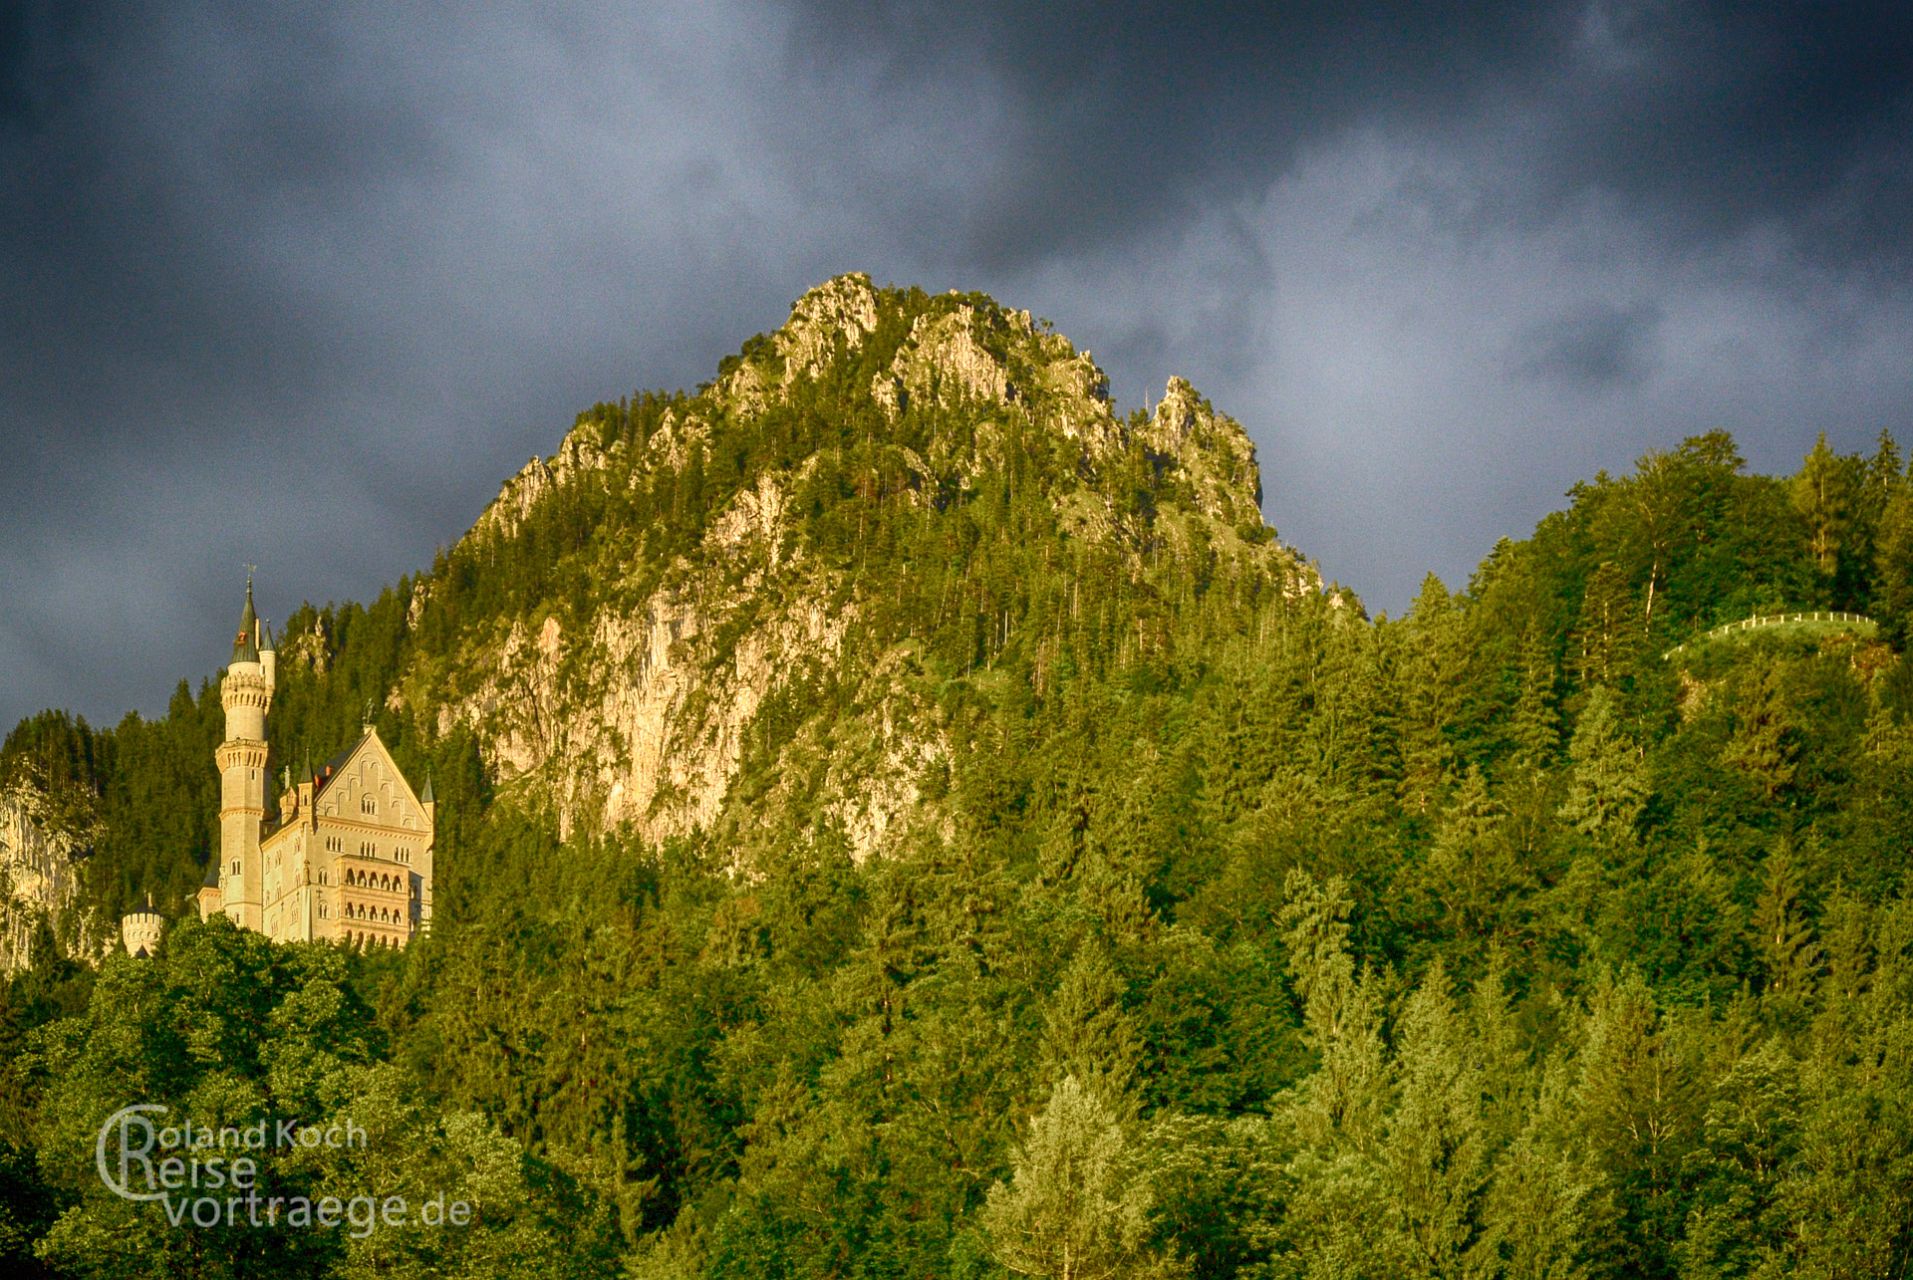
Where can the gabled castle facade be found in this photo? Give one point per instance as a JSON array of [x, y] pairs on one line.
[[344, 854]]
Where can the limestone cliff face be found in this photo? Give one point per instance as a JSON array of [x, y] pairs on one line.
[[580, 452], [643, 706], [39, 879], [640, 717]]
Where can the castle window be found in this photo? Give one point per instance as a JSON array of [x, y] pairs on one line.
[[368, 805], [235, 866]]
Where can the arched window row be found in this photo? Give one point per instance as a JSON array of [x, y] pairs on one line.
[[378, 880]]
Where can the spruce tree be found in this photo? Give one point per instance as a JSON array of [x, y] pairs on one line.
[[1608, 786], [1536, 727], [1075, 1207], [1783, 937], [1823, 494]]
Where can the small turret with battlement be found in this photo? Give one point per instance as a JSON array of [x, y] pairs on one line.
[[141, 930]]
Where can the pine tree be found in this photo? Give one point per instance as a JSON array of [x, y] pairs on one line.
[[1893, 566], [1823, 495], [1542, 1210], [1435, 1153], [1433, 669], [1637, 1116], [1341, 1018], [1536, 728], [1750, 1132], [1765, 741], [1885, 467], [1075, 1207], [1471, 870], [1874, 490], [1608, 787], [1783, 936], [1087, 1034], [1606, 634]]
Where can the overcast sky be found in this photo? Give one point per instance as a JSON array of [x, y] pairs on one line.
[[301, 284]]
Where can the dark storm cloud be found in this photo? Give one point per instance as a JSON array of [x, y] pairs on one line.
[[1117, 122], [1719, 116], [301, 284], [1593, 346], [1729, 115]]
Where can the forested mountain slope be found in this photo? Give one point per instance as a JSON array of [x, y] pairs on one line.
[[900, 818]]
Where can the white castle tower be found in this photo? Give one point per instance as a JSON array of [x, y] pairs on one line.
[[246, 694], [346, 854]]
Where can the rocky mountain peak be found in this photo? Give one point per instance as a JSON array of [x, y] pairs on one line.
[[1211, 449], [839, 511], [840, 312], [845, 305]]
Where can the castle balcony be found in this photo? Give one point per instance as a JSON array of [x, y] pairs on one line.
[[377, 901]]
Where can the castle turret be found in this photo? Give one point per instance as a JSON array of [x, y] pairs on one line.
[[428, 801], [246, 695], [140, 929], [268, 659], [208, 895]]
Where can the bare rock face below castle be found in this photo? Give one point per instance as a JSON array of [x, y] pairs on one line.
[[812, 530], [39, 879]]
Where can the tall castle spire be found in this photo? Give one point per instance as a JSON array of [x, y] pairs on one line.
[[245, 646], [246, 694]]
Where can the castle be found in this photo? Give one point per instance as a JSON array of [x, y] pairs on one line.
[[345, 854]]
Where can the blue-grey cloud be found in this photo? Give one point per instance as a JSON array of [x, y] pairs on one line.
[[1597, 344], [299, 285]]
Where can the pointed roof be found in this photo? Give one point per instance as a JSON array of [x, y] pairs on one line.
[[336, 765], [245, 646], [145, 908], [335, 768], [212, 873], [425, 796]]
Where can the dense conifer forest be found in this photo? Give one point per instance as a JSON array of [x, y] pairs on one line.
[[1554, 929]]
